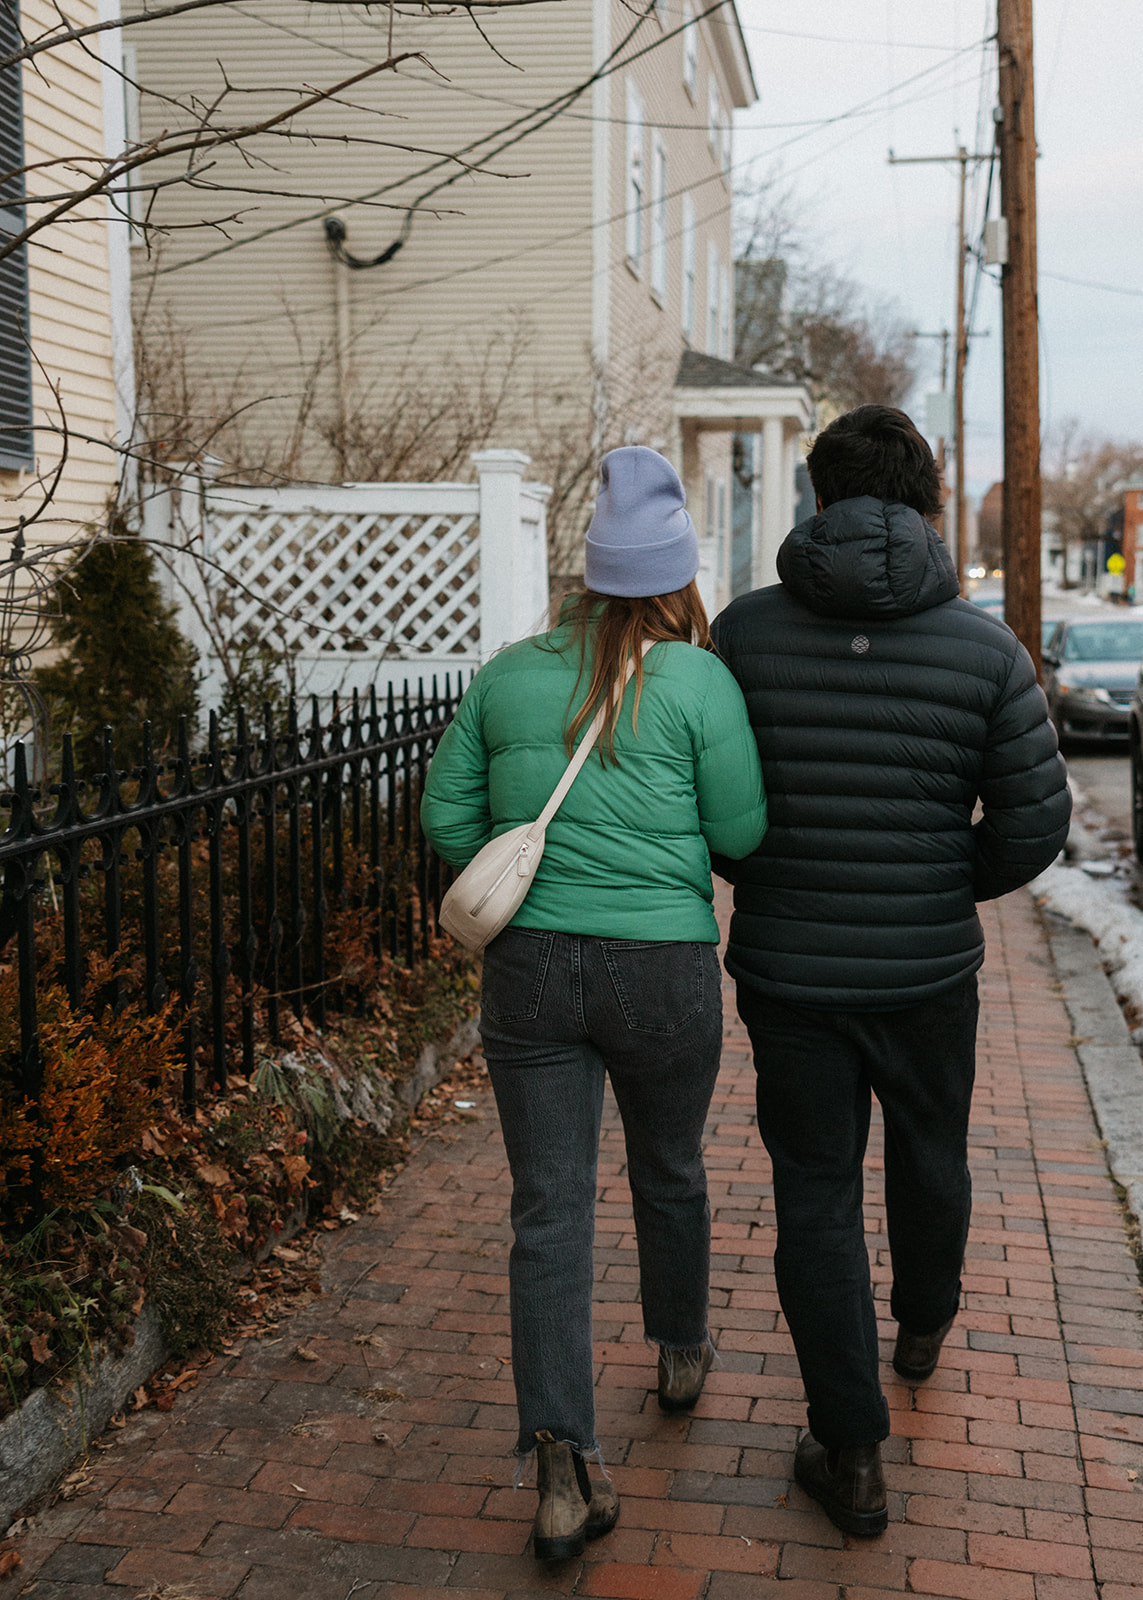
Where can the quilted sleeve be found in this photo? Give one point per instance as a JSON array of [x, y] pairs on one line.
[[455, 813], [1023, 791], [728, 774]]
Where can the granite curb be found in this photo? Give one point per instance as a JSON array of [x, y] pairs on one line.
[[1111, 1062]]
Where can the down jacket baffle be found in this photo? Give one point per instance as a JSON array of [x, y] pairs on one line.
[[884, 707]]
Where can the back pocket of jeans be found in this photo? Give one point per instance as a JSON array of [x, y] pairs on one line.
[[659, 986], [515, 967]]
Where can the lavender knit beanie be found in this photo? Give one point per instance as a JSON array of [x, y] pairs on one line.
[[641, 540]]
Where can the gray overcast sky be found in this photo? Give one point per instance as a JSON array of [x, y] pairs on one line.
[[892, 228]]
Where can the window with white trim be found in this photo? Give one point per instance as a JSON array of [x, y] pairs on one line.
[[136, 206], [724, 315], [636, 178], [658, 273], [714, 118], [690, 50], [688, 252], [713, 276], [15, 350]]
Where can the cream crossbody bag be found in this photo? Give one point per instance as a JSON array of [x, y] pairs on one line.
[[492, 888]]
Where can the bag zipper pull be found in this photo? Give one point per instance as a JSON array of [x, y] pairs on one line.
[[523, 865]]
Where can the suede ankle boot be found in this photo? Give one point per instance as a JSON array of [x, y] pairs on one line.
[[572, 1509], [682, 1374], [847, 1483]]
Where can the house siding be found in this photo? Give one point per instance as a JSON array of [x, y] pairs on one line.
[[529, 255], [503, 255], [68, 290], [647, 335]]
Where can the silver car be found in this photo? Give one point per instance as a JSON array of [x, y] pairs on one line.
[[1091, 665]]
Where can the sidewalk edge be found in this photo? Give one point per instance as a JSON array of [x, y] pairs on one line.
[[1110, 1061]]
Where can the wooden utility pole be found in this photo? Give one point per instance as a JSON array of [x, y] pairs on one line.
[[960, 361], [943, 336], [1016, 138], [960, 346]]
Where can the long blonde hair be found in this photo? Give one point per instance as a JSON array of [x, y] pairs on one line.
[[616, 627]]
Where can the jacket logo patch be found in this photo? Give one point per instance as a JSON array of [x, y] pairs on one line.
[[859, 645]]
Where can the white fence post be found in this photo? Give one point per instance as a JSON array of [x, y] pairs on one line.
[[507, 586]]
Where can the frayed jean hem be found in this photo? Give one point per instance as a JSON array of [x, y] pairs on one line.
[[524, 1454]]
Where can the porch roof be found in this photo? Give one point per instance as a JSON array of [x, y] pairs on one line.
[[721, 396]]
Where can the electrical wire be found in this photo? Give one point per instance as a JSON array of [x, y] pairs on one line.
[[1092, 283], [549, 111], [868, 108]]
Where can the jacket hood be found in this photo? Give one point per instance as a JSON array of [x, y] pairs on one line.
[[867, 558]]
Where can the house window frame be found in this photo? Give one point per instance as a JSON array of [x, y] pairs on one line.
[[713, 286], [135, 206], [724, 313], [690, 50], [657, 253], [636, 179], [17, 441], [687, 239]]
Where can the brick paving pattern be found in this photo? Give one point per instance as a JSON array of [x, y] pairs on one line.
[[382, 1468]]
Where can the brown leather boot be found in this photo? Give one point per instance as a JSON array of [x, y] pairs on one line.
[[572, 1509], [682, 1374], [917, 1354], [847, 1483]]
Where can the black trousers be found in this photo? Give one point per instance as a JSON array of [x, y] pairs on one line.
[[816, 1070]]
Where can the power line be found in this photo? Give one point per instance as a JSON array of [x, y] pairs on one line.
[[867, 108], [1092, 283], [549, 111]]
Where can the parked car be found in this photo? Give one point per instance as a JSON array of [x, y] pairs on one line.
[[1091, 668]]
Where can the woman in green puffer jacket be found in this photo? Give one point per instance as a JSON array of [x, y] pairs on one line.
[[610, 966]]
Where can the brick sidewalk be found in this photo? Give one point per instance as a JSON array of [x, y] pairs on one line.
[[381, 1469]]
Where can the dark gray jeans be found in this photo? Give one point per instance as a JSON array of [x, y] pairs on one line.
[[559, 1012]]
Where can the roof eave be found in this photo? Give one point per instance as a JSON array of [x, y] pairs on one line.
[[730, 43]]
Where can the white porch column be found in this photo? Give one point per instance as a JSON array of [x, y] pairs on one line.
[[789, 468], [506, 581], [773, 526]]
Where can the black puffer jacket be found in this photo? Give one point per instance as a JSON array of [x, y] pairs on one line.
[[884, 707]]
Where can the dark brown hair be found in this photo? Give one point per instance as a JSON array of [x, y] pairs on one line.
[[616, 627], [875, 450]]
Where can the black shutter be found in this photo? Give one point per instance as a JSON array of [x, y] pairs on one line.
[[15, 352]]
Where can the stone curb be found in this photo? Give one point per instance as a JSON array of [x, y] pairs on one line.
[[52, 1429], [1111, 1062]]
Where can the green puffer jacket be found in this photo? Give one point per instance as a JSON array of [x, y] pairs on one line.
[[627, 854]]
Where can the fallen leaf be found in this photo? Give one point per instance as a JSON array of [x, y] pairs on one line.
[[38, 1344], [300, 1353], [299, 1488], [216, 1176], [9, 1561]]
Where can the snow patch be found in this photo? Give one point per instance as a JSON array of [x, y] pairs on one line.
[[1101, 906]]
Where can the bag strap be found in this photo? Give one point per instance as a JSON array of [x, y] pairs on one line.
[[582, 751]]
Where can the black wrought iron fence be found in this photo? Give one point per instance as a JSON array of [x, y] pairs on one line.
[[220, 872]]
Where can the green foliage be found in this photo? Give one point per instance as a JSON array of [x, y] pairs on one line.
[[260, 675], [123, 660]]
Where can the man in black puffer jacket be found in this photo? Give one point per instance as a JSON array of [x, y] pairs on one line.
[[885, 707]]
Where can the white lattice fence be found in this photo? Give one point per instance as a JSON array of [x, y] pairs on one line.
[[359, 584]]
